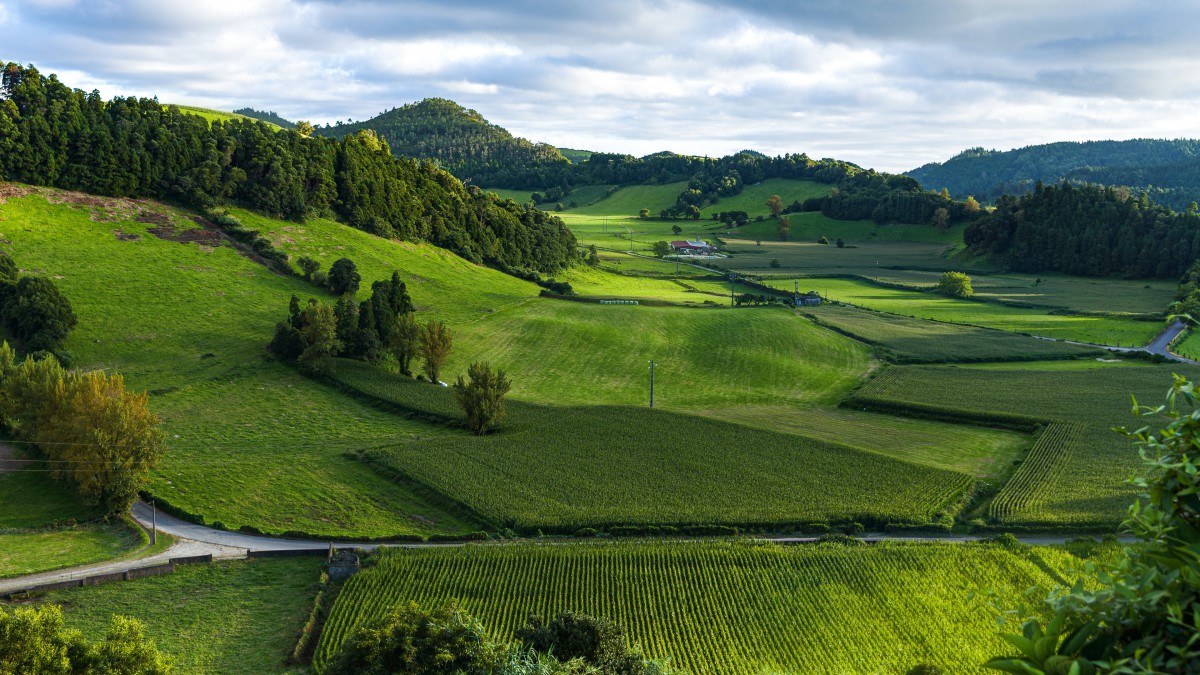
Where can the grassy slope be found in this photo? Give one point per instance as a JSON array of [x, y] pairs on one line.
[[222, 116], [753, 198], [228, 617], [726, 608], [1084, 483], [249, 440]]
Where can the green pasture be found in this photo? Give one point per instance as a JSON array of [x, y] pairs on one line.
[[1093, 329], [29, 498], [728, 607], [640, 265], [807, 257], [249, 441], [43, 550], [565, 352], [1076, 294], [907, 340], [626, 202], [1189, 346], [812, 225], [1081, 483], [219, 115], [753, 198], [709, 289], [238, 616]]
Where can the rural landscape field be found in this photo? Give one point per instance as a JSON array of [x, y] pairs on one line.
[[413, 394]]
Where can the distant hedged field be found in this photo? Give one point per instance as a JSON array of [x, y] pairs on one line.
[[727, 608]]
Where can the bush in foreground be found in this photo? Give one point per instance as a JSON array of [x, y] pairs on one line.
[[34, 640]]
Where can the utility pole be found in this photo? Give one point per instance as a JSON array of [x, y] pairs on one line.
[[652, 364], [732, 278]]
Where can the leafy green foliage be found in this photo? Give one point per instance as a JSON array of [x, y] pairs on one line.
[[720, 607], [37, 314], [343, 277], [955, 285], [569, 635], [433, 346], [482, 398], [1145, 616], [271, 117], [34, 640], [409, 640]]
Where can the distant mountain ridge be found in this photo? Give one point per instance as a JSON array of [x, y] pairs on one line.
[[1168, 170], [463, 142]]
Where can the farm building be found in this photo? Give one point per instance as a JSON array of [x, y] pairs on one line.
[[690, 247], [809, 299]]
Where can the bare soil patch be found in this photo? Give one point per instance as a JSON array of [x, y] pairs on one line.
[[168, 232], [9, 191], [125, 236]]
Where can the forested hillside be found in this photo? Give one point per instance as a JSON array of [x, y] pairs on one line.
[[1168, 170], [1086, 230], [53, 135], [463, 143]]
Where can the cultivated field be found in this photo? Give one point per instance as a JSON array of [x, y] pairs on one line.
[[1075, 475], [728, 608]]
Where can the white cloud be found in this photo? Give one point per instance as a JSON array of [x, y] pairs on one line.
[[884, 84]]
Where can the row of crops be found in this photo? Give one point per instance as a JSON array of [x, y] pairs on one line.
[[1075, 478], [1031, 482], [733, 607]]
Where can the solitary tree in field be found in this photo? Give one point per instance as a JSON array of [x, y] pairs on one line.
[[785, 226], [941, 219], [482, 398], [344, 277], [676, 230], [644, 214], [775, 204], [955, 285], [434, 347], [661, 249]]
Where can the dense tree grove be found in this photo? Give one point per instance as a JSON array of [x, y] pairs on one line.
[[101, 439], [53, 135], [34, 640], [1168, 170], [1088, 230]]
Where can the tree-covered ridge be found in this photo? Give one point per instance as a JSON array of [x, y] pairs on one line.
[[463, 143], [1168, 170], [1088, 230], [266, 116], [53, 135]]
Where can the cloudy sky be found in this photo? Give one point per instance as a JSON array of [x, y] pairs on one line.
[[890, 84]]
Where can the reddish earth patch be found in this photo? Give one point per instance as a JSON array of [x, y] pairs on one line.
[[169, 232], [152, 218], [9, 191], [125, 236]]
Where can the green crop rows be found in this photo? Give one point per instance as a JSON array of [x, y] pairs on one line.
[[1088, 488], [725, 608]]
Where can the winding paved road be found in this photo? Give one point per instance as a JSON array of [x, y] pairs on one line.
[[1159, 345]]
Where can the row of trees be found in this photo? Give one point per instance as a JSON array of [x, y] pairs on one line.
[[128, 147], [1088, 230], [94, 434], [447, 640]]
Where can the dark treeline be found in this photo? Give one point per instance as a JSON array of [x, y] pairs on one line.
[[1167, 170], [267, 116], [57, 136], [463, 143], [1086, 230]]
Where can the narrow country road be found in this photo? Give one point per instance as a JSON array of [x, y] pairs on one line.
[[1157, 346], [192, 539]]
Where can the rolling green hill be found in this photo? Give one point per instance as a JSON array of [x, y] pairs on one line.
[[462, 142]]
